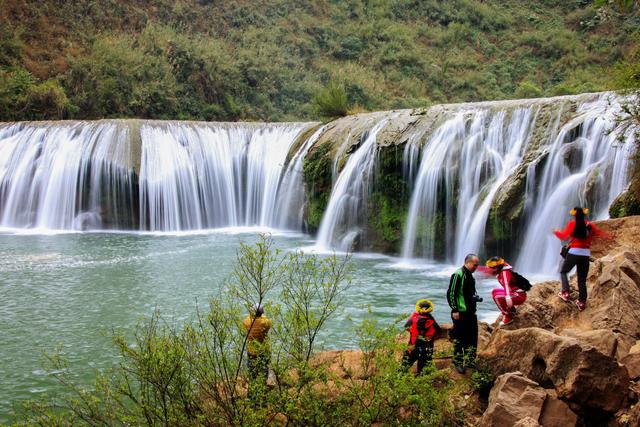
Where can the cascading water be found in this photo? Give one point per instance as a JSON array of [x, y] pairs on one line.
[[291, 196], [459, 162], [575, 158], [76, 176], [462, 167], [586, 165], [65, 177], [343, 217], [198, 177]]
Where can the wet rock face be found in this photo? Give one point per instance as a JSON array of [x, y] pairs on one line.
[[625, 204], [414, 128]]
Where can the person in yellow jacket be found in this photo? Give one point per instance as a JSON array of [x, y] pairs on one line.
[[258, 351]]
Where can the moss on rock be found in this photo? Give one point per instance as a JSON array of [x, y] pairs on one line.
[[626, 204], [317, 177], [388, 203]]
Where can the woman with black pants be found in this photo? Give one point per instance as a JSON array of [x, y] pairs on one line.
[[581, 233]]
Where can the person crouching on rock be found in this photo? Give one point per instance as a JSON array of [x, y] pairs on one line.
[[423, 330], [510, 295], [581, 232]]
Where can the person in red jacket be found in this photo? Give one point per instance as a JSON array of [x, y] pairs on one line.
[[510, 295], [581, 233], [423, 330]]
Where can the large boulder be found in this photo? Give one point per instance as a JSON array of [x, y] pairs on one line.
[[615, 294], [607, 342], [625, 234], [556, 413], [517, 400], [578, 372], [632, 362], [513, 398]]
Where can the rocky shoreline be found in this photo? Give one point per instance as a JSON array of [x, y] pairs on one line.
[[555, 365]]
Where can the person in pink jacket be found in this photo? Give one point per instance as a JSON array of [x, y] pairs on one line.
[[510, 295]]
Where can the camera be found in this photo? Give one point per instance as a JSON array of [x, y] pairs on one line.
[[477, 298]]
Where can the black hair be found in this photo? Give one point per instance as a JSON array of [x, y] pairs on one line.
[[580, 231], [469, 257], [257, 310]]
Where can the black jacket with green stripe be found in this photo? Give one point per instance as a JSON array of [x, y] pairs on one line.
[[462, 288]]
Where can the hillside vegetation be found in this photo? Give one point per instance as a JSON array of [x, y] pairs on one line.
[[269, 59]]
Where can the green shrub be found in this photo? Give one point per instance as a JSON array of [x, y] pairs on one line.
[[14, 84], [527, 89], [11, 47], [44, 101], [332, 102]]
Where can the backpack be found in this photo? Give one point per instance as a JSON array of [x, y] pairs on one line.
[[521, 282]]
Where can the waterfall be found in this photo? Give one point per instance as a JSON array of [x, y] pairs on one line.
[[586, 165], [342, 220], [65, 176], [291, 196], [481, 151], [198, 177], [516, 165], [462, 167], [82, 175]]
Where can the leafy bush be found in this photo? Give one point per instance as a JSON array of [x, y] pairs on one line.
[[44, 101], [332, 102], [528, 89]]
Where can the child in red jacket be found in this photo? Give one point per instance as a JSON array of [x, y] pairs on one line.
[[423, 330]]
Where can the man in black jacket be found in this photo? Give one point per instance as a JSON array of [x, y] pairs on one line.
[[462, 299]]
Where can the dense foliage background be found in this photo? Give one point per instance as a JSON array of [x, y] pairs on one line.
[[269, 59]]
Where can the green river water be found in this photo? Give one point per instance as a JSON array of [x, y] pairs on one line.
[[69, 291]]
